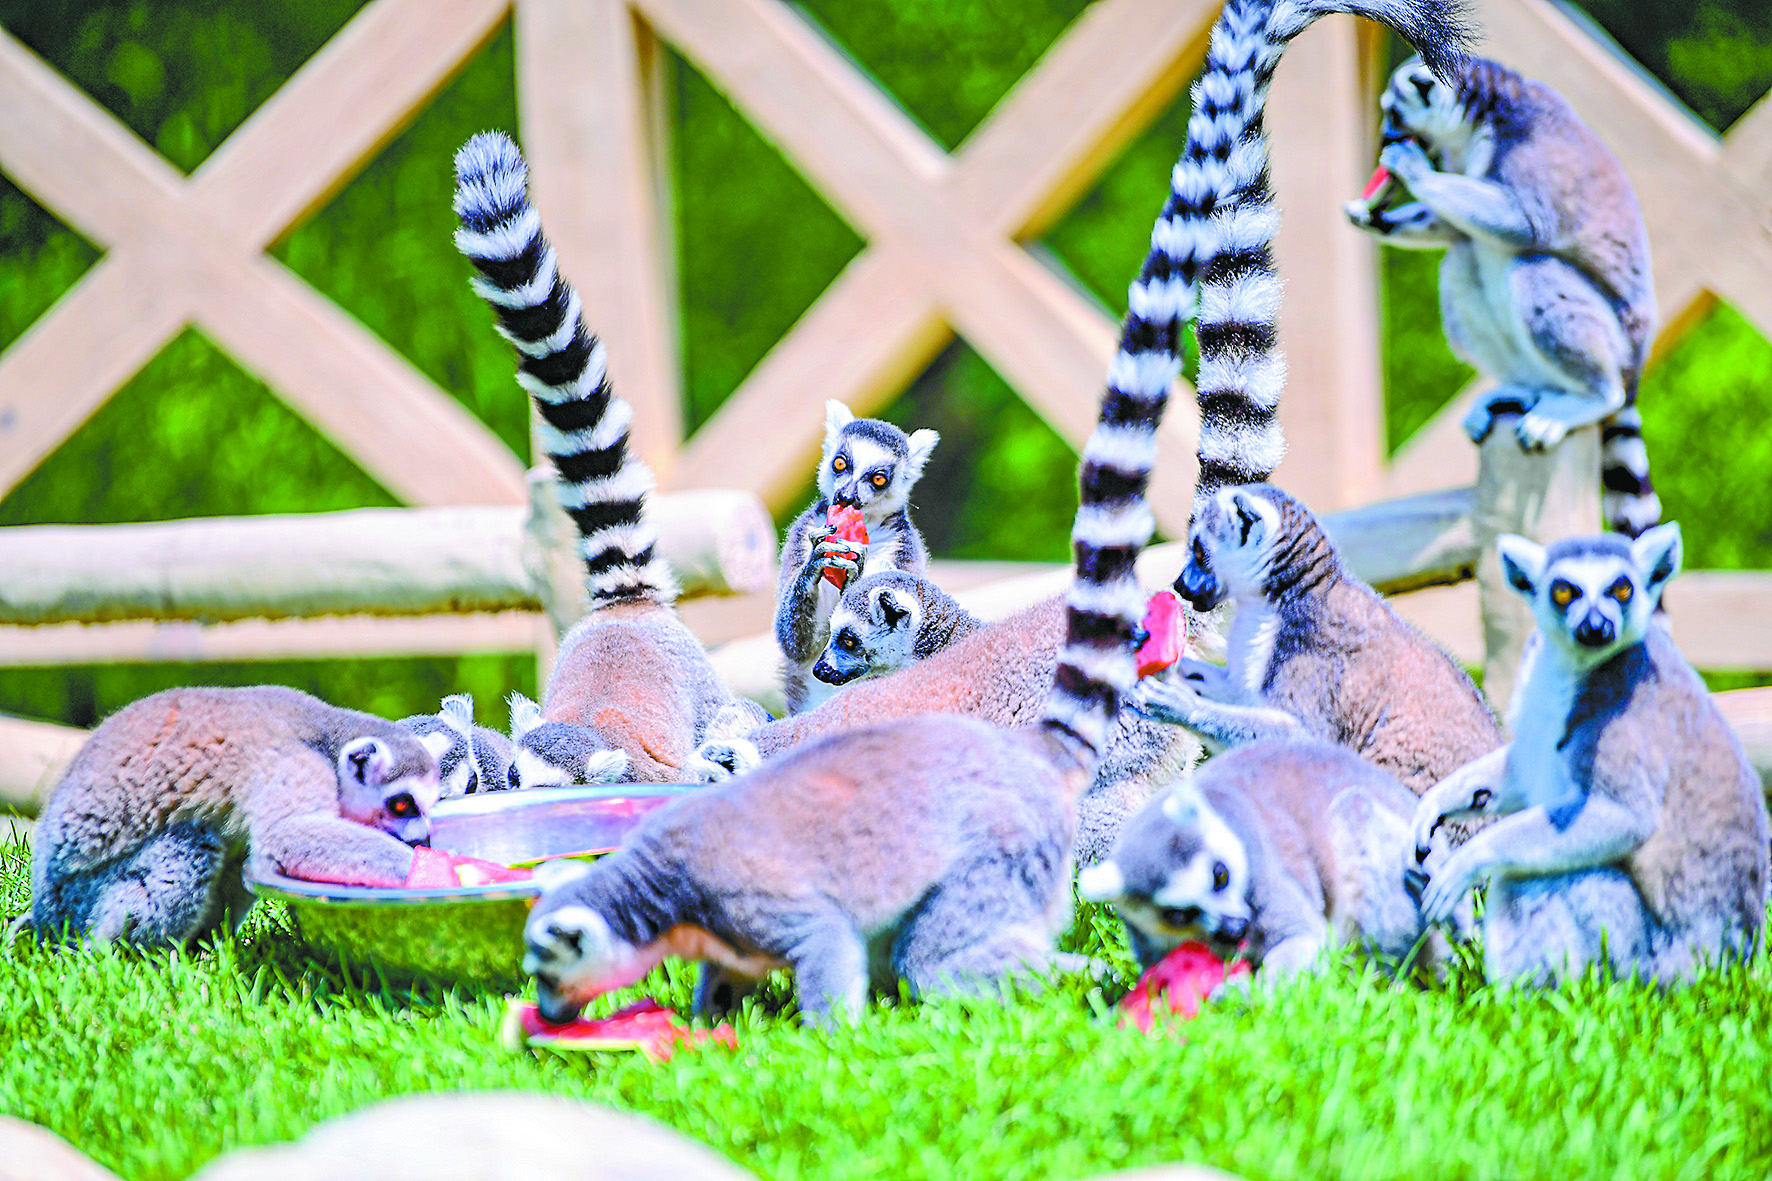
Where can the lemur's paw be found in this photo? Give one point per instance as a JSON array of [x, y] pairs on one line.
[[1479, 422], [718, 760], [1539, 432], [1406, 161], [1174, 701]]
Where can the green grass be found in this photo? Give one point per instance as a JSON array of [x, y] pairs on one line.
[[153, 1064]]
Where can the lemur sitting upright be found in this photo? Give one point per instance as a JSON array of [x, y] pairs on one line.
[[886, 622], [1546, 284], [935, 849], [868, 465], [1312, 649], [1274, 852], [144, 838], [630, 677], [1630, 827], [477, 758]]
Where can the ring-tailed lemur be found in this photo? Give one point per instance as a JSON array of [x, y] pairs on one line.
[[867, 465], [477, 759], [1630, 827], [1546, 284], [1214, 239], [886, 622], [932, 849], [1272, 852], [144, 838], [630, 676], [1312, 649]]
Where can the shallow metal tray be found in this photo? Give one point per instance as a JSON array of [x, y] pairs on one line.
[[464, 934]]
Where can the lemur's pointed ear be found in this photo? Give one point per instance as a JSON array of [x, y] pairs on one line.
[[563, 871], [890, 609], [1182, 805], [1249, 514], [1102, 883], [606, 766], [1658, 554], [525, 716], [922, 445], [437, 742], [1522, 562], [836, 417], [365, 761]]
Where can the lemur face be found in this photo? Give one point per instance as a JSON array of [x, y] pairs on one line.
[[873, 633], [1420, 108], [1177, 874], [390, 790], [1593, 596], [569, 948], [1230, 548], [869, 464], [556, 754]]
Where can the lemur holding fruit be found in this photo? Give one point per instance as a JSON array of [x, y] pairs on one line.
[[868, 467], [1546, 285]]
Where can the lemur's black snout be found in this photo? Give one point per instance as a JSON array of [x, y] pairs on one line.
[[1594, 631], [1233, 928], [555, 1009], [1198, 586], [830, 675]]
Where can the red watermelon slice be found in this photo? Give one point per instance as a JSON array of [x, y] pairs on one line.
[[645, 1025], [434, 869], [1167, 628], [847, 522], [1184, 979]]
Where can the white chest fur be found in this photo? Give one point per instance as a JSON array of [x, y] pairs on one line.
[[1250, 648], [1537, 770]]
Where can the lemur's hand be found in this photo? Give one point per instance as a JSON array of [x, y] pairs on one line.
[[1405, 160], [1452, 881], [1174, 700], [834, 553]]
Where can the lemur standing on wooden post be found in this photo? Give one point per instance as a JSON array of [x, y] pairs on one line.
[[1546, 285], [867, 465], [631, 679]]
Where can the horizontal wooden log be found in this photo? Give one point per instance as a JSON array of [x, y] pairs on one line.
[[366, 561], [1749, 712], [33, 756], [347, 637]]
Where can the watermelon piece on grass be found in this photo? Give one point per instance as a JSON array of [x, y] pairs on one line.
[[645, 1025], [1180, 982], [847, 522]]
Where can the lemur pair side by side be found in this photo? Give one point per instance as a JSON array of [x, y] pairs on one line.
[[934, 849], [477, 758], [632, 693], [1629, 830], [145, 837], [1546, 283], [867, 465]]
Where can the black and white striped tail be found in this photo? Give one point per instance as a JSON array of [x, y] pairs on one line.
[[585, 425], [1629, 503], [1211, 248], [1220, 225]]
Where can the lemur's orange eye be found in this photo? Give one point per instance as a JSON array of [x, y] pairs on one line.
[[839, 464], [403, 805], [1621, 590], [1562, 593], [879, 480]]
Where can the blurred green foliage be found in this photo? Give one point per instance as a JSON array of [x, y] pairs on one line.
[[193, 434]]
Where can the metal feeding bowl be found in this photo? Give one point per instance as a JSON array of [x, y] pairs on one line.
[[466, 934]]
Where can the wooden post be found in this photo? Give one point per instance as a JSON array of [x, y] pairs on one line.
[[35, 755], [1541, 495]]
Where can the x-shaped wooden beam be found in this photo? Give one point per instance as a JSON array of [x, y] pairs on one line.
[[191, 251], [941, 229], [1707, 201]]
